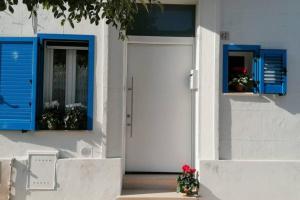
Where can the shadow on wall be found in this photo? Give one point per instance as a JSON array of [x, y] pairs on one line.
[[207, 193], [259, 107], [19, 191]]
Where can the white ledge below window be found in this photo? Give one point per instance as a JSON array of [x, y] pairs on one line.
[[238, 94]]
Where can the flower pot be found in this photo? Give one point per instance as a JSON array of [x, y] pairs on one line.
[[240, 88]]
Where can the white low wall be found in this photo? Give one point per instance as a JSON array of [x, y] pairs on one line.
[[250, 180], [77, 179]]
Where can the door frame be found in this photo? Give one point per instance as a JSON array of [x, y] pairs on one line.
[[156, 40]]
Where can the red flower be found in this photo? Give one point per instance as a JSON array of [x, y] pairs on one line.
[[245, 70], [192, 170], [186, 168]]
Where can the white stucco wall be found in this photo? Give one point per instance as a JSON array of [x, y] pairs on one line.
[[69, 143], [76, 179], [79, 175], [258, 135], [262, 127], [248, 180]]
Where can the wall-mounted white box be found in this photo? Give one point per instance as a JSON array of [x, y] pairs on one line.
[[41, 170], [194, 79]]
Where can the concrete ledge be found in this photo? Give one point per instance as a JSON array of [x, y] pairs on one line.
[[77, 179], [248, 180], [155, 195]]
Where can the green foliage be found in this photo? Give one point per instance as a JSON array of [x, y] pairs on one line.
[[56, 117], [188, 182], [118, 13], [75, 117], [51, 118], [242, 81]]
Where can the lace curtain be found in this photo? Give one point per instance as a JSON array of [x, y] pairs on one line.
[[59, 76]]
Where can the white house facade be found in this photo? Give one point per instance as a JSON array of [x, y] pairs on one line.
[[209, 83]]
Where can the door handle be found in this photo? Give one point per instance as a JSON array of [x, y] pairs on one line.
[[131, 109]]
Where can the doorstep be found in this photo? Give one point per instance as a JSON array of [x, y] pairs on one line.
[[154, 195]]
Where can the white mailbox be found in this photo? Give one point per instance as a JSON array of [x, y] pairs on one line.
[[41, 170]]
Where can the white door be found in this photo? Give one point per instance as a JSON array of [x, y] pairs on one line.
[[159, 102]]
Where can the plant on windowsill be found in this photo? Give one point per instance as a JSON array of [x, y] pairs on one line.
[[242, 82], [51, 117], [75, 117], [188, 182]]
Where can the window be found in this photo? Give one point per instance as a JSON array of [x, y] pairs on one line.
[[66, 74], [67, 83], [172, 20], [46, 80], [248, 68]]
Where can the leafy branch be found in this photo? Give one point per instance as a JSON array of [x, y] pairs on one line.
[[118, 13]]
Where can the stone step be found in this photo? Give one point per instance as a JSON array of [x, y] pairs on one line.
[[149, 182], [153, 195]]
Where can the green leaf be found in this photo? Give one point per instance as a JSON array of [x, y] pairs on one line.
[[71, 23], [62, 22], [10, 8]]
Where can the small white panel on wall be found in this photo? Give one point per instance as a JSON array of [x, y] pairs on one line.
[[41, 170], [194, 79]]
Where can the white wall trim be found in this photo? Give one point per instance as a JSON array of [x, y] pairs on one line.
[[160, 40], [209, 84]]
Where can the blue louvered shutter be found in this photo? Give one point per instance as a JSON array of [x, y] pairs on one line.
[[273, 71], [18, 59]]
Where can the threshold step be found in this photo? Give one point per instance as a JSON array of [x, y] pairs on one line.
[[154, 195], [149, 182]]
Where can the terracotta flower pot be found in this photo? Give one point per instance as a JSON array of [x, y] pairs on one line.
[[240, 88]]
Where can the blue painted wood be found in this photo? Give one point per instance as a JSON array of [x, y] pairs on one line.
[[91, 49], [273, 68], [90, 110], [239, 48], [40, 83], [45, 36], [17, 83]]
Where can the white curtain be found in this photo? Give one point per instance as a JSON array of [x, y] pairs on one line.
[[81, 77], [59, 76]]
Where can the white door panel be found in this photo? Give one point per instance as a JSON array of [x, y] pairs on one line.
[[159, 139]]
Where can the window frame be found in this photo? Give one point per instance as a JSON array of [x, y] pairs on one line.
[[139, 28], [240, 48], [91, 61]]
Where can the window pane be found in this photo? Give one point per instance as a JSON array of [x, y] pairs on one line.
[[173, 20], [81, 77], [240, 71], [59, 76]]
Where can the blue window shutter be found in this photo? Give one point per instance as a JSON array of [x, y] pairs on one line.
[[91, 55], [18, 61], [273, 68]]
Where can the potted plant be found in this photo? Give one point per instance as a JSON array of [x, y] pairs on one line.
[[188, 182], [242, 82], [75, 117], [50, 118]]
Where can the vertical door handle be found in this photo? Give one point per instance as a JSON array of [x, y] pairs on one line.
[[131, 108]]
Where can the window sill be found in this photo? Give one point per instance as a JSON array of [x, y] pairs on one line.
[[241, 94], [62, 131]]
